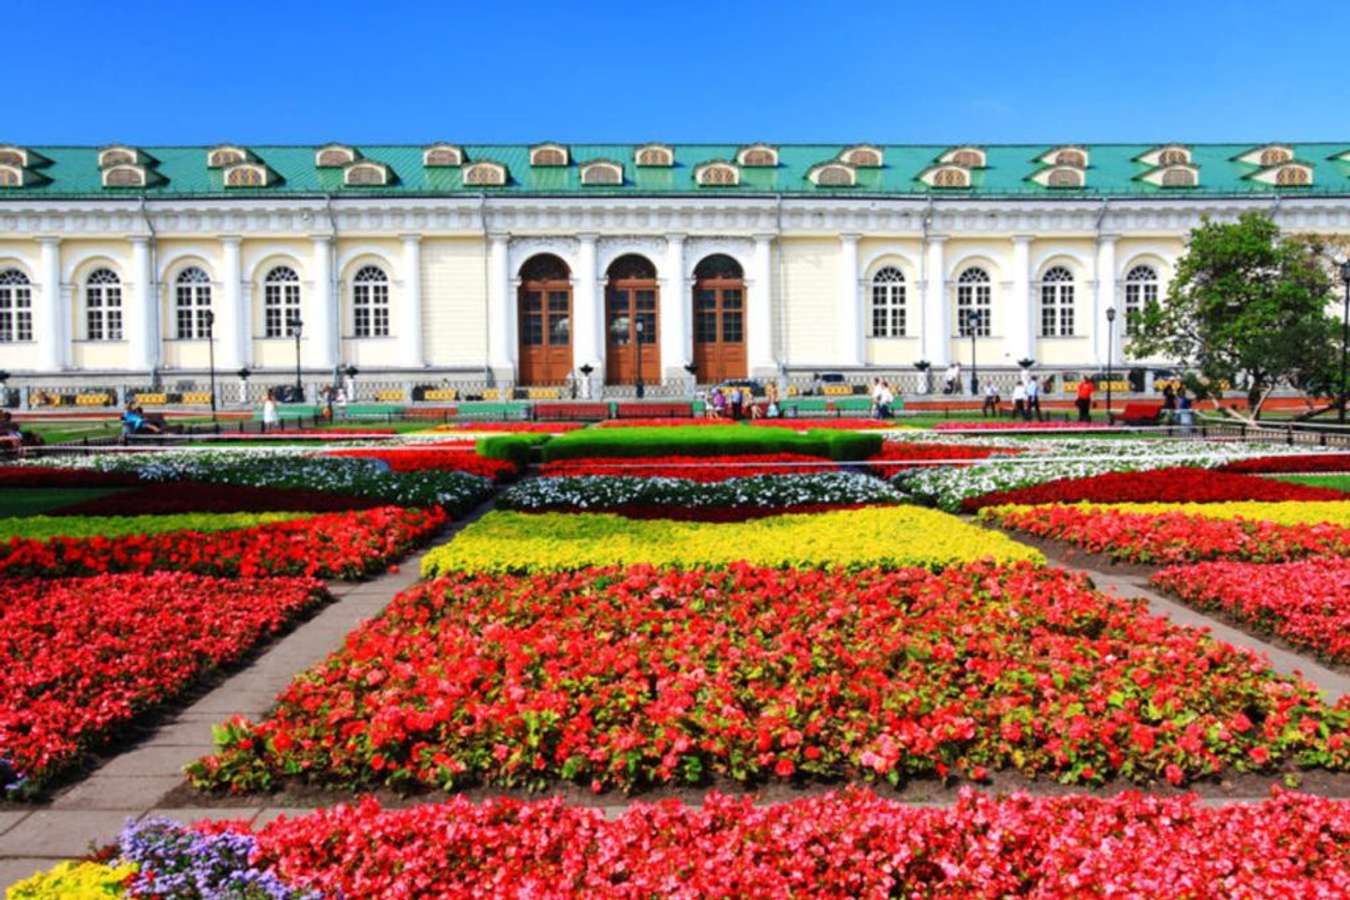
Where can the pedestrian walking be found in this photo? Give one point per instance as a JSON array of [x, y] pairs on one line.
[[1084, 401]]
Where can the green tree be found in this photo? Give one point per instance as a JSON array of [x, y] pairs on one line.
[[1247, 307]]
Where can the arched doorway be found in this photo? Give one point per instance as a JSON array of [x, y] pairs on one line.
[[631, 322], [545, 310], [719, 319]]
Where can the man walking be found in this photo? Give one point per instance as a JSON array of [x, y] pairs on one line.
[[1084, 401]]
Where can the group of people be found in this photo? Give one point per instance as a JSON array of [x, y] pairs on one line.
[[1026, 397], [883, 400], [736, 403]]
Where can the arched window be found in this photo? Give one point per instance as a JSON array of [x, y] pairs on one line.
[[974, 294], [1065, 178], [1070, 158], [888, 303], [370, 303], [601, 173], [109, 158], [10, 177], [548, 156], [366, 174], [544, 321], [719, 319], [12, 156], [124, 176], [970, 159], [226, 156], [245, 176], [1057, 303], [16, 307], [1274, 156], [835, 176], [1178, 178], [1293, 176], [281, 301], [862, 157], [717, 174], [1141, 289], [442, 155], [192, 303], [759, 157], [951, 178], [485, 174], [103, 306], [1173, 157]]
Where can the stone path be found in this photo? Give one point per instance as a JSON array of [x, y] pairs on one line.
[[132, 784]]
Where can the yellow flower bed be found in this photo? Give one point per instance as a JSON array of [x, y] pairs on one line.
[[874, 536], [74, 881], [1289, 512]]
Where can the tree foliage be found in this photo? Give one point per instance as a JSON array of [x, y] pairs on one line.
[[1248, 307]]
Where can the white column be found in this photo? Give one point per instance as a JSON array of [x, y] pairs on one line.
[[1021, 311], [849, 340], [676, 313], [410, 323], [587, 346], [321, 321], [501, 311], [936, 316], [759, 310], [1106, 296], [51, 319], [234, 325], [143, 322]]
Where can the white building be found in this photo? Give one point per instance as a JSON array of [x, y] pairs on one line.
[[512, 265]]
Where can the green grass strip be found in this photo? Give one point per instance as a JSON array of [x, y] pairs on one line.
[[44, 527]]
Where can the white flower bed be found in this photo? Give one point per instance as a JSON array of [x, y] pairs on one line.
[[756, 492]]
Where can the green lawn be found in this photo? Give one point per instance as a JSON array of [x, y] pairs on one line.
[[1339, 482], [44, 527], [36, 501]]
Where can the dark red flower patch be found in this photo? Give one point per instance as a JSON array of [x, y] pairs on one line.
[[1307, 603], [852, 844], [189, 497], [692, 468], [1174, 485], [1301, 462], [455, 457], [900, 456], [334, 545], [85, 655], [615, 677], [47, 477]]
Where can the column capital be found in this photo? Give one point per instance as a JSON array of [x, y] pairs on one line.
[[850, 237], [49, 240], [230, 240], [499, 237], [1023, 239], [936, 238], [676, 236], [1107, 238], [764, 237], [587, 237], [411, 238], [138, 240], [321, 238]]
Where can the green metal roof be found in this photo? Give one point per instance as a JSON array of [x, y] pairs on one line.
[[1113, 171]]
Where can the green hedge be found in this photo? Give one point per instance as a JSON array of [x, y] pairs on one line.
[[710, 440], [514, 448], [44, 527]]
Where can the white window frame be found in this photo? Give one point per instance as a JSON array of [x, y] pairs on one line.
[[974, 290], [887, 313], [370, 302], [1141, 288], [16, 307], [1057, 302], [192, 301], [281, 301], [103, 305]]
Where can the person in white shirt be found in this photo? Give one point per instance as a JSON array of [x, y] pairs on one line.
[[269, 412], [990, 407], [884, 400], [1020, 402], [953, 379], [1033, 397]]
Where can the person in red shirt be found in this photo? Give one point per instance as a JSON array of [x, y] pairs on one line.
[[1084, 401]]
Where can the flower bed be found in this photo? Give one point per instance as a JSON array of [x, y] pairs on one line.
[[159, 499], [710, 441], [692, 468], [86, 655], [1307, 603], [335, 545], [504, 541], [650, 422], [510, 427], [612, 493], [49, 477], [1169, 485], [454, 458], [1292, 512], [625, 678], [848, 844], [1022, 425], [41, 528], [838, 424], [1293, 462], [895, 457], [1168, 537]]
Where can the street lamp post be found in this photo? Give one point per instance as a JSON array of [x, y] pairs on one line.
[[1345, 335], [973, 326], [296, 326], [211, 357], [1110, 331], [641, 389]]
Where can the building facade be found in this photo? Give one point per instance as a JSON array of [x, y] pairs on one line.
[[535, 266]]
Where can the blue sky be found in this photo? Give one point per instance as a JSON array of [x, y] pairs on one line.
[[933, 72]]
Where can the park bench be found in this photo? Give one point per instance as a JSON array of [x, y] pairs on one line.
[[1138, 412]]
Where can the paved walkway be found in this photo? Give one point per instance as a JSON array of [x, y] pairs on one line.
[[132, 784]]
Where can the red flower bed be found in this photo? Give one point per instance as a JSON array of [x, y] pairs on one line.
[[1307, 603], [1302, 462], [692, 468], [1175, 537], [658, 411], [630, 677], [1018, 425], [703, 513], [190, 497], [335, 545], [655, 422], [1175, 485], [838, 424], [455, 457], [85, 655], [851, 844], [564, 411], [900, 456], [45, 477]]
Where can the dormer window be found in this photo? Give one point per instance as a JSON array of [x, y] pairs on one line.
[[10, 176], [1178, 177], [758, 156], [1064, 177], [118, 156], [442, 156], [128, 176], [14, 156], [655, 155], [246, 175], [485, 173], [602, 172], [717, 174], [863, 156], [365, 174], [334, 156], [1267, 155], [965, 157], [1293, 176], [1076, 157], [949, 176], [549, 155], [1174, 156], [1274, 156], [833, 174], [223, 157]]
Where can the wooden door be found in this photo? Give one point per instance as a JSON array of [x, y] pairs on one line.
[[545, 332], [719, 330], [628, 304]]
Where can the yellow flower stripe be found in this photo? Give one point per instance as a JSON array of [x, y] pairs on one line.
[[74, 881], [1289, 512], [873, 536]]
